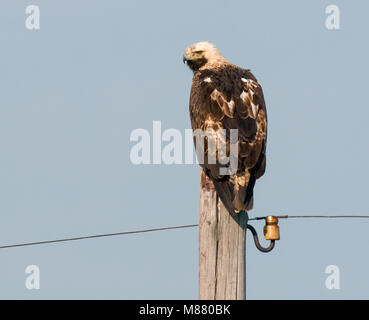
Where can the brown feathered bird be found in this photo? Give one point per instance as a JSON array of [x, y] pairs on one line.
[[225, 96]]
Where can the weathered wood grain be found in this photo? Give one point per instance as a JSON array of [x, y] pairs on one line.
[[221, 247]]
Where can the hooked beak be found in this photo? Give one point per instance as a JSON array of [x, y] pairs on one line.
[[186, 57]]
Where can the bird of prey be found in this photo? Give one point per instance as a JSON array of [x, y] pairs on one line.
[[223, 97]]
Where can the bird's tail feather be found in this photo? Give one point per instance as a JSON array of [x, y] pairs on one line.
[[234, 202]]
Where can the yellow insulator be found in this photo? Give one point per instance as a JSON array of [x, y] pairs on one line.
[[271, 229]]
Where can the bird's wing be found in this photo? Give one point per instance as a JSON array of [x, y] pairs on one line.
[[232, 98]]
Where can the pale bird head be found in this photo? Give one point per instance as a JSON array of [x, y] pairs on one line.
[[201, 54]]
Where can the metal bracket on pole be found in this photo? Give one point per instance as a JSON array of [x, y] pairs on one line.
[[271, 232]]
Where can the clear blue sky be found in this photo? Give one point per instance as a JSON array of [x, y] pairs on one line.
[[72, 92]]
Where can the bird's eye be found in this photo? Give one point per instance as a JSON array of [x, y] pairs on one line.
[[198, 51]]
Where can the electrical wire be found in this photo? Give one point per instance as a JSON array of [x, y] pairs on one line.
[[160, 229], [305, 216], [95, 236]]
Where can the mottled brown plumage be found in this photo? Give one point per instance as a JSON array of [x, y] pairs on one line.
[[225, 96]]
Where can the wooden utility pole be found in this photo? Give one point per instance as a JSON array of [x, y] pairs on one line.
[[222, 239]]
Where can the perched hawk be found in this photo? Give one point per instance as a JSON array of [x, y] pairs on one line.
[[225, 96]]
